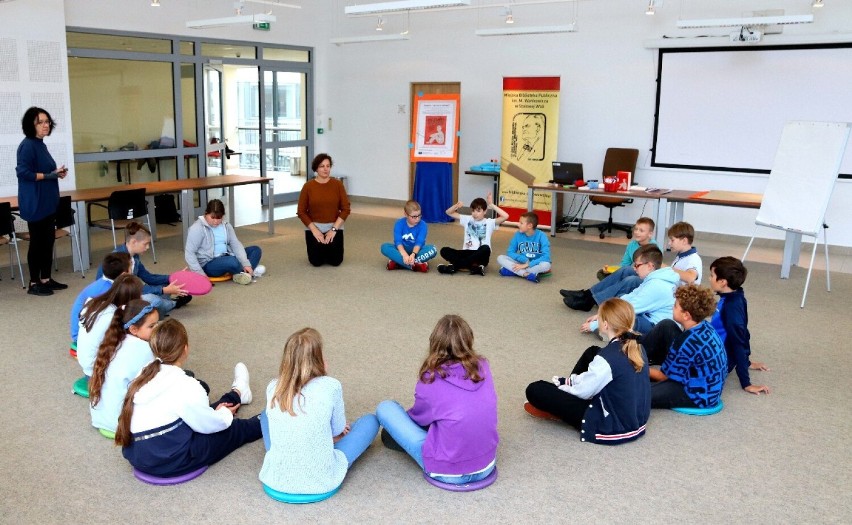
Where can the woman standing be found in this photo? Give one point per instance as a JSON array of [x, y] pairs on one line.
[[323, 207], [38, 198]]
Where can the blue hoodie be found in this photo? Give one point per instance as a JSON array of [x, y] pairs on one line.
[[654, 298], [533, 248]]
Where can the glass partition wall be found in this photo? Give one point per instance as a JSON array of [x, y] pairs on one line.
[[148, 107]]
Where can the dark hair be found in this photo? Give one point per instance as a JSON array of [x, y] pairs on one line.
[[698, 301], [478, 204], [451, 342], [682, 230], [319, 160], [730, 269], [115, 264], [215, 208], [168, 341], [531, 218], [649, 254], [113, 338], [28, 121], [124, 289], [133, 229]]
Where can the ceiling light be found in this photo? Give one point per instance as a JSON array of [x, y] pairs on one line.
[[401, 5], [747, 21], [371, 38], [529, 30], [230, 21], [509, 18], [650, 10], [817, 3], [379, 24], [155, 3]]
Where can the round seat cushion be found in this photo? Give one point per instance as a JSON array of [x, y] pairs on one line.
[[156, 480], [286, 497], [221, 278], [709, 411], [193, 283], [109, 434], [463, 487], [81, 387]]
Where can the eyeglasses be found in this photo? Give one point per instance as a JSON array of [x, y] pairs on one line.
[[416, 216], [42, 122], [637, 265]]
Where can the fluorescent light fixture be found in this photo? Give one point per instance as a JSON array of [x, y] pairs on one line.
[[747, 21], [529, 30], [650, 10], [364, 39], [817, 3], [155, 3], [230, 21], [273, 2], [401, 5]]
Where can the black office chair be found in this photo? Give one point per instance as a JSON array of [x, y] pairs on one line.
[[65, 219], [8, 236], [123, 207], [616, 159]]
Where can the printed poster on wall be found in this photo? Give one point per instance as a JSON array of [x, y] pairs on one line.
[[436, 124], [530, 132]]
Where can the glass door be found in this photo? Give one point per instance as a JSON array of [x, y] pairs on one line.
[[285, 132]]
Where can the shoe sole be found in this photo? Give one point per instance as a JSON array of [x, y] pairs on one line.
[[540, 414]]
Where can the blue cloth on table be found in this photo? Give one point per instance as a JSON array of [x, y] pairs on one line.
[[433, 189]]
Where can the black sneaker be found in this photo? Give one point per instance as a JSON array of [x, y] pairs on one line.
[[390, 442], [477, 270], [53, 285], [584, 303], [571, 293], [39, 289], [183, 300], [447, 269]]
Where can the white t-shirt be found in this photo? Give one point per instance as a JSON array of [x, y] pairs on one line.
[[477, 233]]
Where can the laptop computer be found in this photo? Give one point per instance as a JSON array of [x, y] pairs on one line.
[[567, 172]]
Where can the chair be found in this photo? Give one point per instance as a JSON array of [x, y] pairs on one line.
[[65, 219], [123, 207], [8, 236], [616, 159]]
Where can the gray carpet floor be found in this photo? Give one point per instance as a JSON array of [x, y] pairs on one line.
[[780, 458]]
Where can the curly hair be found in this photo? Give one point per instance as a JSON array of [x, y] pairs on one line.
[[698, 301]]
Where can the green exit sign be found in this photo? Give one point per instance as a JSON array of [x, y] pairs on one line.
[[261, 26]]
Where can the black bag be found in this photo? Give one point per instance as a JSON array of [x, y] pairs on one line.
[[165, 209]]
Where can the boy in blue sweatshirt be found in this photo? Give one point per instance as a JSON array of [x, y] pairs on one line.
[[727, 275], [528, 254], [409, 249], [113, 265]]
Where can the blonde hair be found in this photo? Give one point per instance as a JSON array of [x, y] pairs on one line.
[[620, 316], [451, 342], [168, 341], [411, 206], [301, 362]]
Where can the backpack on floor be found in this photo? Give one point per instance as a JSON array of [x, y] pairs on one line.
[[165, 209]]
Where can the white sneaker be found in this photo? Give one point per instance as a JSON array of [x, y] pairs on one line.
[[241, 383], [242, 278], [260, 270]]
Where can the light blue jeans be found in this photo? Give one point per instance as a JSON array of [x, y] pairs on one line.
[[162, 303], [410, 436], [361, 435], [426, 253], [620, 282]]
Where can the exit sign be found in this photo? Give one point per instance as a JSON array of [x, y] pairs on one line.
[[261, 26]]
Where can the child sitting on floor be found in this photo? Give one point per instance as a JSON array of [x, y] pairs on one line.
[[409, 249], [451, 431], [309, 445], [727, 275], [121, 356], [608, 395], [476, 248], [113, 265], [528, 254]]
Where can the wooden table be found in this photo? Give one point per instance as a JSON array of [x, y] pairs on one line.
[[183, 186]]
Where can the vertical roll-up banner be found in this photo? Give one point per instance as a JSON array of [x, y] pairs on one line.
[[530, 132]]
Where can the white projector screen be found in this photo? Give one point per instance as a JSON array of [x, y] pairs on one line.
[[725, 108]]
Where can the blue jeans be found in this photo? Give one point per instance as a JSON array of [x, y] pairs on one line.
[[223, 264], [162, 303], [361, 435], [427, 252], [620, 282], [410, 436]]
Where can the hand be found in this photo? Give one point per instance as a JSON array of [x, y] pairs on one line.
[[320, 238], [62, 172], [587, 326], [175, 288], [489, 199], [458, 205], [329, 236], [248, 269], [758, 365], [518, 267], [338, 437], [408, 259], [232, 408], [757, 389]]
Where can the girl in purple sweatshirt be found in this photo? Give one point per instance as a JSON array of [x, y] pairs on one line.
[[451, 431]]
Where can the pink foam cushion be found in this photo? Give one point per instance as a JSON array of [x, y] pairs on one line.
[[193, 283]]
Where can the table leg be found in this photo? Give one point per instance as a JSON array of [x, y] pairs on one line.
[[83, 230], [151, 210], [529, 199], [231, 213], [553, 214], [186, 209], [792, 251], [270, 196], [662, 224]]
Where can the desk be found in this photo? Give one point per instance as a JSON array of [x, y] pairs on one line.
[[184, 186]]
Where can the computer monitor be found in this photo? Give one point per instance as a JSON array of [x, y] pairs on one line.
[[567, 172]]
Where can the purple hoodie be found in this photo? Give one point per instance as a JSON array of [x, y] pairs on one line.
[[462, 420]]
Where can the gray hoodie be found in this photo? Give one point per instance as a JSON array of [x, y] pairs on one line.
[[199, 245]]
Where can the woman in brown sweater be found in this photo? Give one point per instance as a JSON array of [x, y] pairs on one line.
[[323, 206]]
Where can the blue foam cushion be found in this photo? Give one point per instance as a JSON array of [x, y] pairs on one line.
[[463, 487], [156, 480], [709, 411], [81, 387], [286, 497]]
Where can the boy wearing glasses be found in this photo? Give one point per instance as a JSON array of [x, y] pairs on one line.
[[687, 265], [653, 300], [409, 249]]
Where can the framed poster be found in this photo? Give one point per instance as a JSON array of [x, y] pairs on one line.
[[435, 129]]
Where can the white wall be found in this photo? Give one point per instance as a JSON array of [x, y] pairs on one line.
[[608, 83]]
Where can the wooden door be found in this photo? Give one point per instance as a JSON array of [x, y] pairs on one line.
[[436, 88]]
